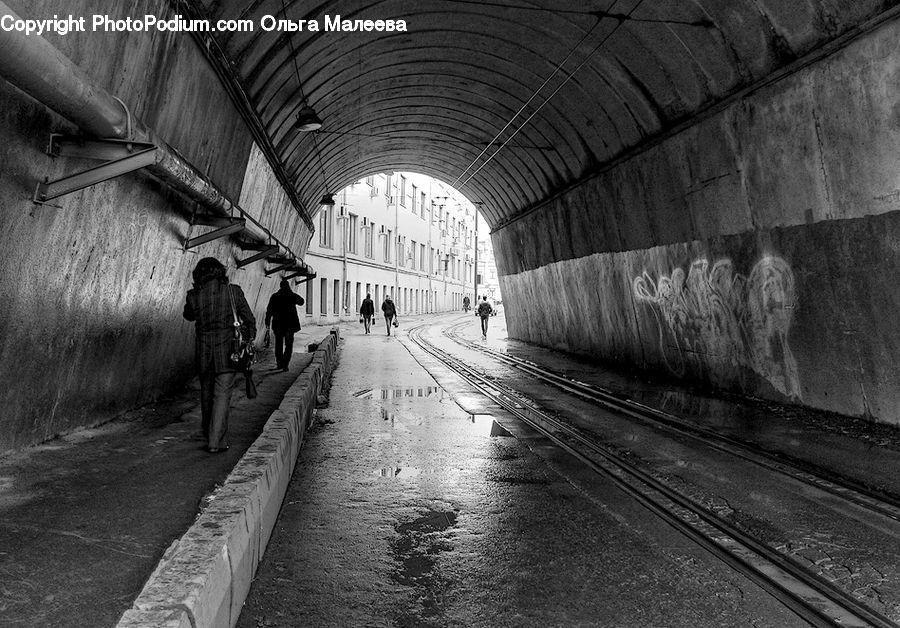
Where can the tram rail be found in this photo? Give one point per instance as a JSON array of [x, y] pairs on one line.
[[817, 601]]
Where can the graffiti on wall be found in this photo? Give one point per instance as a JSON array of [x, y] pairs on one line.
[[717, 319]]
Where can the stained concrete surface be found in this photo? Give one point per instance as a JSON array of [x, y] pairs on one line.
[[754, 250], [84, 518], [848, 447], [406, 510]]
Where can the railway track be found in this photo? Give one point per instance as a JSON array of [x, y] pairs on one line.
[[863, 496], [817, 601]]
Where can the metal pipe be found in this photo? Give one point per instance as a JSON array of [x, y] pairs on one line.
[[35, 66]]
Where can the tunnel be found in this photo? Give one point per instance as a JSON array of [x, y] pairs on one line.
[[705, 190], [693, 211]]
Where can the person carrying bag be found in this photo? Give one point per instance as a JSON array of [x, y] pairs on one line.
[[367, 312], [244, 353], [221, 317]]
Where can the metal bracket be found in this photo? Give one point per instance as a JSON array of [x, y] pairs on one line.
[[119, 157], [302, 270], [280, 268], [305, 279], [265, 251], [225, 226]]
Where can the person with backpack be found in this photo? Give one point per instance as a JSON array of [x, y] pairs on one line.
[[390, 313], [484, 312]]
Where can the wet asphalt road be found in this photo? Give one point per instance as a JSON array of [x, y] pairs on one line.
[[417, 503]]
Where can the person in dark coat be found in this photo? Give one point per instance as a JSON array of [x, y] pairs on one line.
[[390, 312], [209, 305], [282, 314], [367, 312], [484, 311]]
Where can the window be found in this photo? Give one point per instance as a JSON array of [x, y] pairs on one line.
[[325, 219], [337, 297], [323, 296], [402, 190], [368, 244], [309, 296], [358, 296], [413, 251], [421, 257], [353, 235], [422, 205], [387, 187], [431, 260], [412, 199], [388, 243], [370, 181], [401, 251]]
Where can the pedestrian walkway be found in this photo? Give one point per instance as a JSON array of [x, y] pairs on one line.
[[86, 517]]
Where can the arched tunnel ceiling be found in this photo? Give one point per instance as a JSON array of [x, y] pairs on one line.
[[433, 98]]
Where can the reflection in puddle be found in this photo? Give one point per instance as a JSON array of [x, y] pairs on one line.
[[398, 393], [408, 472], [485, 424]]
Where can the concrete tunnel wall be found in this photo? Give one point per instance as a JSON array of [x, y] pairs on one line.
[[93, 290], [756, 250]]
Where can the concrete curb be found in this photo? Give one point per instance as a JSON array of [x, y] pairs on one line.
[[204, 577]]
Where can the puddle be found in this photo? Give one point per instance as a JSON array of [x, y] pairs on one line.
[[485, 424], [416, 550], [399, 472], [400, 393], [394, 418]]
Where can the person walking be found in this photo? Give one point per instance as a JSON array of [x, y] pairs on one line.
[[367, 312], [390, 312], [211, 304], [466, 303], [282, 314], [484, 312]]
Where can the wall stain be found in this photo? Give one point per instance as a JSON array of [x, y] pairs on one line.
[[715, 319]]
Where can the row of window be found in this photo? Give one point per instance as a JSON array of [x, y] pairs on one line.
[[407, 300], [413, 255]]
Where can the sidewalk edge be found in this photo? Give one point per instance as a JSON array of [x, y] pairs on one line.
[[205, 576]]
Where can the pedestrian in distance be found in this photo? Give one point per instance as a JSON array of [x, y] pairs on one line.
[[484, 312], [212, 304], [367, 312], [282, 315], [466, 303], [390, 313]]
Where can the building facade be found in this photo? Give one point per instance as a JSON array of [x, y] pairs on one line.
[[400, 234], [488, 280]]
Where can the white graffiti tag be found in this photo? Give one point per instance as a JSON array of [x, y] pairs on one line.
[[724, 323]]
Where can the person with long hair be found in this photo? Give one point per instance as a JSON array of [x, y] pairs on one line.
[[211, 304]]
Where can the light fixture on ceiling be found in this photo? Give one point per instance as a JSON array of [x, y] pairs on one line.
[[307, 119], [327, 200]]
